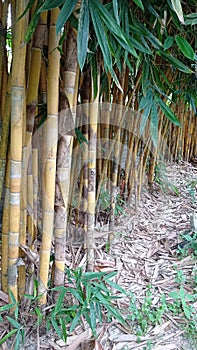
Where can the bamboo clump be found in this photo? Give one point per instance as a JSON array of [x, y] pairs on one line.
[[45, 167]]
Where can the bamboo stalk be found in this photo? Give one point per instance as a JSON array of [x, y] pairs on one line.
[[17, 98], [5, 231], [66, 131], [93, 119], [4, 135], [51, 126]]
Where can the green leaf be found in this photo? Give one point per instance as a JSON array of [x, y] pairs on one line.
[[76, 294], [12, 297], [75, 321], [123, 39], [56, 327], [32, 26], [139, 4], [6, 307], [116, 286], [144, 102], [145, 115], [83, 33], [102, 298], [168, 112], [99, 312], [191, 19], [92, 316], [185, 47], [64, 331], [92, 275], [17, 341], [8, 335], [51, 4], [168, 42], [145, 76], [176, 63], [94, 71], [115, 7], [176, 5], [65, 13], [113, 311], [13, 322], [29, 5], [154, 124], [59, 302]]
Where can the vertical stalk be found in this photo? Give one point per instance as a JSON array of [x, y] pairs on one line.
[[51, 127], [17, 100], [93, 119]]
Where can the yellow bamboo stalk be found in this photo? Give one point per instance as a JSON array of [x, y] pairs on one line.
[[4, 135], [51, 126], [62, 186], [5, 231], [17, 98], [93, 119]]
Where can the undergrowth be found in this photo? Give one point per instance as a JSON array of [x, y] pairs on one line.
[[90, 299]]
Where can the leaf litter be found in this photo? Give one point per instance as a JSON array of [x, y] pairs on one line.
[[142, 256]]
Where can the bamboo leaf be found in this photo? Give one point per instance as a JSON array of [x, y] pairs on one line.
[[6, 307], [92, 316], [116, 286], [114, 312], [65, 13], [64, 332], [145, 100], [7, 336], [168, 42], [145, 116], [83, 33], [51, 4], [191, 19], [154, 124], [145, 75], [139, 4], [103, 42], [168, 112], [76, 294], [92, 275], [75, 321], [185, 47], [17, 340], [59, 302], [176, 5], [32, 26], [116, 30], [94, 71], [13, 322], [56, 327], [176, 63], [29, 5], [115, 7]]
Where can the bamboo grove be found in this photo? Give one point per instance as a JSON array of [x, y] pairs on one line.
[[95, 95]]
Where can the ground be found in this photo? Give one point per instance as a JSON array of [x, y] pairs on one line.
[[144, 254]]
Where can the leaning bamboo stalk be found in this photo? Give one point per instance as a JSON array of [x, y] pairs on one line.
[[51, 126], [17, 99]]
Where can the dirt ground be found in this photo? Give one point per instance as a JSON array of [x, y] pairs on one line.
[[142, 254]]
